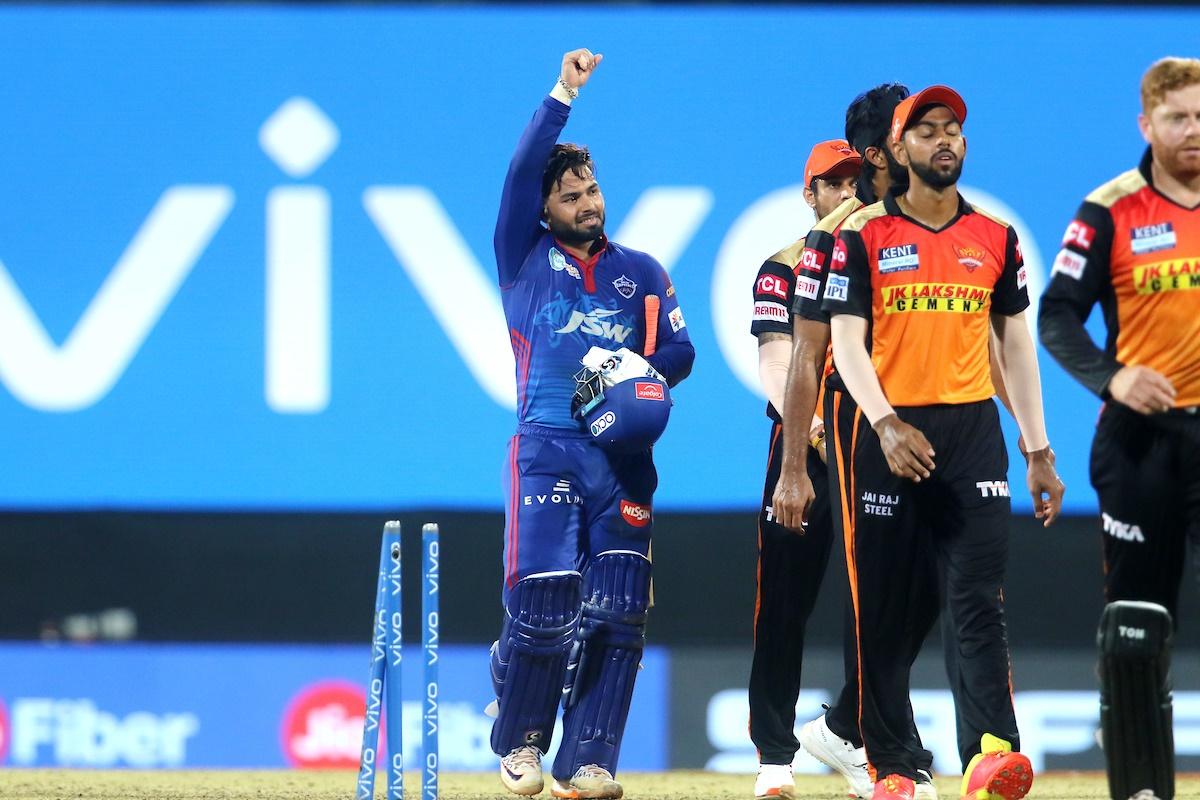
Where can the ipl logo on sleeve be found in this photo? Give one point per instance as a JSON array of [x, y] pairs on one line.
[[837, 287]]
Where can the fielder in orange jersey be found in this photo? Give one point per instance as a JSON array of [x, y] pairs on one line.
[[790, 566], [802, 489], [917, 286], [1134, 248]]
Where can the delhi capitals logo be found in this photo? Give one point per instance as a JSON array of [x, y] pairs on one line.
[[625, 286]]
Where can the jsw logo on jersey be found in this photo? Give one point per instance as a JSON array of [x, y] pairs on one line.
[[47, 731], [1121, 530], [595, 323]]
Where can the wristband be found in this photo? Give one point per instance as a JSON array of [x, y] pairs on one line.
[[571, 91]]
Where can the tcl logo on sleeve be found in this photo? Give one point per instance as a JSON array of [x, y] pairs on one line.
[[648, 391], [1079, 234], [772, 284], [839, 255], [635, 514], [812, 260]]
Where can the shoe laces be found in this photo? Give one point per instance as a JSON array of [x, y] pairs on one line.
[[526, 756], [593, 771]]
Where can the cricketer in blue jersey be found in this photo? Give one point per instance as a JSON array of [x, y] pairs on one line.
[[578, 516]]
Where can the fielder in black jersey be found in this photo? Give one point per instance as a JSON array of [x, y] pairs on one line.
[[791, 564]]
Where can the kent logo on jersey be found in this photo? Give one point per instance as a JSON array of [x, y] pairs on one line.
[[1152, 238], [898, 258]]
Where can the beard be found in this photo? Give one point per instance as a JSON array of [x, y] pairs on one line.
[[935, 178], [577, 234], [897, 175], [1182, 167]]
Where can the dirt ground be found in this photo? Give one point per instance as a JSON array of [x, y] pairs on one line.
[[19, 784]]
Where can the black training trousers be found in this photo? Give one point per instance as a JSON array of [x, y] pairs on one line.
[[892, 527], [790, 569], [1146, 472]]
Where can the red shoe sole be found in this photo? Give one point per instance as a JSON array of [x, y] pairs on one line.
[[1011, 782]]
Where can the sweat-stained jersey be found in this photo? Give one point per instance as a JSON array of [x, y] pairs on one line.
[[1137, 253], [927, 296], [558, 307]]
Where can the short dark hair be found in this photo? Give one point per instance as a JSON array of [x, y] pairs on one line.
[[869, 116], [566, 157], [868, 122]]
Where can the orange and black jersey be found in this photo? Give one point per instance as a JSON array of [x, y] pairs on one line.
[[927, 295], [1137, 253], [774, 288], [814, 261]]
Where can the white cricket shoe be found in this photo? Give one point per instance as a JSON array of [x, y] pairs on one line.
[[521, 771], [925, 788], [839, 755], [589, 781], [774, 780]]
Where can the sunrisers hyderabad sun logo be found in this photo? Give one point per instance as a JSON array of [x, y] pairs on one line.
[[323, 725], [970, 257]]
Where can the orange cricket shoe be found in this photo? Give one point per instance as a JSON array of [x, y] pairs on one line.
[[894, 787], [997, 773]]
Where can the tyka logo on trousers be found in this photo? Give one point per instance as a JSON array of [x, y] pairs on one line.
[[992, 488]]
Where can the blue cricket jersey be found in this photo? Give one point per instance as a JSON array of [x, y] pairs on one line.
[[558, 307]]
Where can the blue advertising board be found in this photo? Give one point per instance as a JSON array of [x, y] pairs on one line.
[[255, 706], [245, 260]]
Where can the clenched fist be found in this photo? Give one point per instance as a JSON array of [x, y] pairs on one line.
[[578, 66]]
